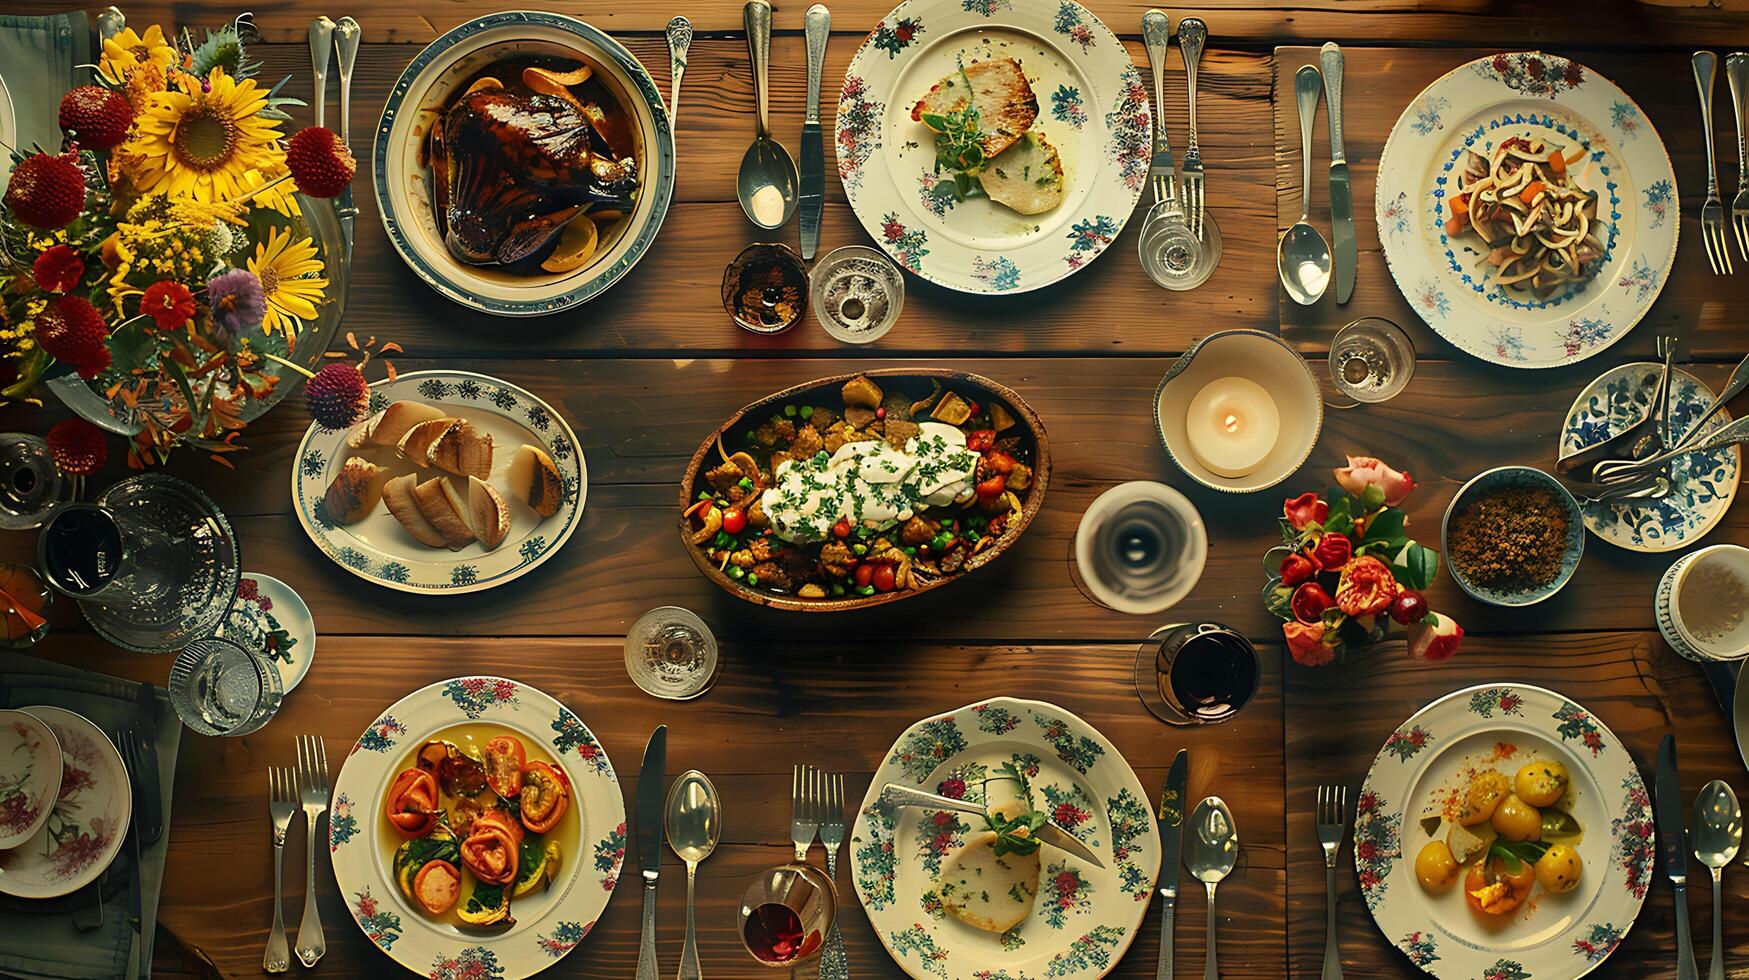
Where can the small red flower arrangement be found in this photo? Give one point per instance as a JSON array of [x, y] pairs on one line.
[[1346, 569]]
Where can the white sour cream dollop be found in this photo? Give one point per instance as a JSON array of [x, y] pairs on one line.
[[870, 483]]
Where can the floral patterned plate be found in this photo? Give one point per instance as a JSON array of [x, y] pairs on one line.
[[84, 831], [30, 775], [1480, 104], [1430, 759], [1702, 485], [272, 621], [548, 924], [1083, 918], [1092, 107], [379, 550]]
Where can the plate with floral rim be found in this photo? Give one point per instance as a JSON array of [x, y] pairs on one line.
[[1423, 767], [1702, 485], [1083, 918], [379, 550], [550, 923], [30, 775], [1481, 104], [84, 831], [1092, 106], [270, 619]]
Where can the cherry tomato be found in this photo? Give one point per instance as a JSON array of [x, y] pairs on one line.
[[993, 487], [842, 528], [883, 578], [979, 440], [735, 520], [1000, 461], [881, 413], [863, 575]]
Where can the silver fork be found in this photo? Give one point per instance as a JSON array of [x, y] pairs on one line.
[[833, 963], [1737, 76], [1192, 34], [804, 814], [1332, 823], [1712, 213], [313, 784], [282, 803]]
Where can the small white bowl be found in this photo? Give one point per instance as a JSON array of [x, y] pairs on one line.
[[1265, 359], [1682, 582]]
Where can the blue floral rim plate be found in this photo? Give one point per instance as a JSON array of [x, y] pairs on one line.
[[1527, 94], [1506, 477], [1702, 485], [379, 550]]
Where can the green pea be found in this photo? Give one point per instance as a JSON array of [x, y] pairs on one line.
[[752, 579], [807, 411], [736, 573], [866, 590], [789, 410], [859, 548], [837, 588]]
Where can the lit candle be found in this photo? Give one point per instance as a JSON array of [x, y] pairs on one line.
[[1232, 426]]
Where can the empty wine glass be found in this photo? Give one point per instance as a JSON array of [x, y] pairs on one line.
[[1372, 359], [219, 688], [1140, 548]]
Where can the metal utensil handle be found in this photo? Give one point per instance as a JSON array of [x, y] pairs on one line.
[[1330, 59], [278, 957], [321, 49], [756, 18], [1157, 38], [834, 962], [1192, 35], [1734, 386], [1717, 970], [647, 967], [1685, 968], [1706, 68], [679, 43], [904, 796], [1737, 76], [1168, 918], [1307, 85], [689, 969], [311, 943], [1736, 430], [1662, 404], [346, 38], [1332, 955], [817, 24], [1209, 970]]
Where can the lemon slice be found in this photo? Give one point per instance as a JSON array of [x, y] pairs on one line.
[[576, 246]]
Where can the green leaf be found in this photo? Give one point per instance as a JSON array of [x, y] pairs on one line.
[[1279, 602], [1341, 517], [1373, 497], [1416, 566], [1385, 525], [132, 348]]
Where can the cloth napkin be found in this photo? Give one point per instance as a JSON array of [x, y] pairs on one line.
[[37, 55], [37, 939]]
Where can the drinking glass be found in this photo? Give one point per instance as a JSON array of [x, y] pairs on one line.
[[1140, 548], [795, 898], [30, 483], [219, 688], [1372, 359], [106, 557], [671, 653], [1196, 673], [857, 293], [1171, 253]]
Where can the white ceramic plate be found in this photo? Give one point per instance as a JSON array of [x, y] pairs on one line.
[[1083, 917], [403, 183], [272, 621], [1480, 104], [8, 131], [380, 550], [30, 775], [1433, 754], [90, 818], [1092, 107], [1702, 485], [550, 923]]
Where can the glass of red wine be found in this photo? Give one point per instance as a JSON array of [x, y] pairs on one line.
[[786, 913], [1196, 673], [104, 556]]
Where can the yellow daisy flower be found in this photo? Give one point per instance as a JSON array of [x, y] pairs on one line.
[[291, 280], [200, 144], [282, 199], [127, 51]]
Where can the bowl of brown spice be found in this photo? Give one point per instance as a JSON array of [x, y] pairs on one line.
[[1512, 536]]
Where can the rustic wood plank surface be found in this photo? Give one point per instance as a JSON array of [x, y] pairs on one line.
[[645, 372]]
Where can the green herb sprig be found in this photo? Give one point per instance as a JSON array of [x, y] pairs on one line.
[[1017, 834]]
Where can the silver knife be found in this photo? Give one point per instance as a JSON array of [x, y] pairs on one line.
[[904, 797], [1170, 819], [818, 22], [1345, 253], [346, 38], [649, 825], [1673, 843], [152, 819]]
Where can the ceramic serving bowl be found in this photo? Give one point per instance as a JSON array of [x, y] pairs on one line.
[[30, 775], [404, 182], [1271, 363], [1502, 478], [825, 391], [1702, 583]]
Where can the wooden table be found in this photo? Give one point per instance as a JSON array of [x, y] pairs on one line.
[[643, 373]]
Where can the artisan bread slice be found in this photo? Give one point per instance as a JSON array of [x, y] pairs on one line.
[[488, 514], [433, 498], [355, 491], [386, 427], [535, 480], [417, 442], [1006, 103], [985, 891], [462, 450], [398, 494]]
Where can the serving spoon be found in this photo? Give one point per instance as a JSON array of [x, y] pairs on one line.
[[767, 164], [1303, 256], [695, 824], [1214, 849], [1717, 833]]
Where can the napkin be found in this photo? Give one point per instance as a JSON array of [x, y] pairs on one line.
[[37, 939], [37, 55]]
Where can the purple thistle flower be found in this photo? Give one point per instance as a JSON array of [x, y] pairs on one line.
[[236, 301]]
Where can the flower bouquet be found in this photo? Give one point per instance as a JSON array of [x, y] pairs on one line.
[[162, 251], [1346, 570]]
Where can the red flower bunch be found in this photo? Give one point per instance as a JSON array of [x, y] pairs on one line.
[[1346, 569]]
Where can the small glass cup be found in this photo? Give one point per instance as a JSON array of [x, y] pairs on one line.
[[219, 688], [1371, 360], [765, 288], [1197, 673], [1171, 254], [30, 483], [857, 293], [1140, 548], [795, 899], [671, 653]]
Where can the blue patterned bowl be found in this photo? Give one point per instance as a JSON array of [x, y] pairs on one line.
[[1504, 478]]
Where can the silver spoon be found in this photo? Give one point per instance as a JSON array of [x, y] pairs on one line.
[[767, 164], [1717, 832], [1214, 849], [1303, 257], [679, 43], [695, 823]]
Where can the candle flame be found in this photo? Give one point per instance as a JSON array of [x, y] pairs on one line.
[[1231, 422]]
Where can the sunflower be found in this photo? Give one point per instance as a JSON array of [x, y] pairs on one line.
[[291, 280], [127, 51], [200, 143], [281, 198]]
